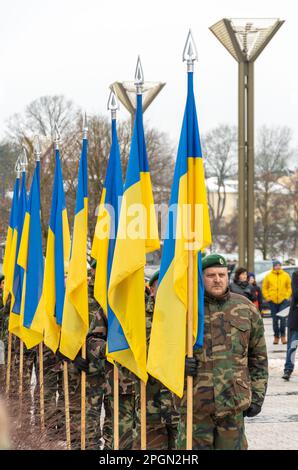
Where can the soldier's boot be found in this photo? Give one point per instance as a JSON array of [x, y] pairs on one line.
[[276, 340], [284, 340]]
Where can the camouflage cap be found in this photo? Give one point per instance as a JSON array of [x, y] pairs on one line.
[[214, 260], [153, 278]]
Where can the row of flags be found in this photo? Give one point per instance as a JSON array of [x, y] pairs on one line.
[[48, 305]]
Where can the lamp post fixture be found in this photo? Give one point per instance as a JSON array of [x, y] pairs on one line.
[[245, 39], [126, 91]]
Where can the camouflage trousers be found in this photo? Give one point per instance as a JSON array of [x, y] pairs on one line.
[[213, 432], [127, 421], [94, 401], [159, 436]]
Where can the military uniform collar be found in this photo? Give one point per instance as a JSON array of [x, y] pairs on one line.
[[217, 300]]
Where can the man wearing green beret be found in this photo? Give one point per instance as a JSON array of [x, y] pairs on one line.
[[230, 371]]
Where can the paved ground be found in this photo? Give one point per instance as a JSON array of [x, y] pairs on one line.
[[277, 426]]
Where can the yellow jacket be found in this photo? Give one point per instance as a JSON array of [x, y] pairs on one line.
[[277, 286]]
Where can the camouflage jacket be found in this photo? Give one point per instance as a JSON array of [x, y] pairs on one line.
[[160, 401], [233, 365], [4, 319], [96, 353]]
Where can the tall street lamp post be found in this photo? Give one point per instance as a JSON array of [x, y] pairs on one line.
[[245, 39]]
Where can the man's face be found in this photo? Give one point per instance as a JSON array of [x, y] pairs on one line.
[[2, 285], [277, 267], [216, 281]]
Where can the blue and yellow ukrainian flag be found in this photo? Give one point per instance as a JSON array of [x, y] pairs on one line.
[[75, 321], [30, 258], [137, 235], [57, 258], [17, 271], [188, 228], [7, 265], [103, 246]]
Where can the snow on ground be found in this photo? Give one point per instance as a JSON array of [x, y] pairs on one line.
[[276, 428]]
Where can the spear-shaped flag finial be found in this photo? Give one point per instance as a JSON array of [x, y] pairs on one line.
[[139, 76], [18, 167], [113, 104], [190, 53], [37, 148], [23, 159]]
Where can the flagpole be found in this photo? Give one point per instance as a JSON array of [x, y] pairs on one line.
[[139, 82], [83, 350], [37, 153], [66, 403], [57, 141], [113, 106], [24, 164], [83, 403], [190, 55], [41, 386], [18, 170], [21, 365]]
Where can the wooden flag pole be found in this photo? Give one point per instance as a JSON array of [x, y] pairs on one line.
[[116, 407], [190, 351], [66, 402], [21, 373], [83, 403], [8, 364], [41, 387], [143, 416]]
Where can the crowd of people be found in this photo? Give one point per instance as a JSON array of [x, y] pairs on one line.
[[230, 371]]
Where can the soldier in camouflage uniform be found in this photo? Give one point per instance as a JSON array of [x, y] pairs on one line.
[[96, 353], [94, 389], [29, 358], [161, 417], [4, 317], [230, 371]]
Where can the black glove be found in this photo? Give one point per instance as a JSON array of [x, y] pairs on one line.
[[61, 357], [252, 411], [191, 366], [81, 364], [151, 380]]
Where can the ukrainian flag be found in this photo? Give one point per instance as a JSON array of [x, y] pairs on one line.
[[103, 246], [137, 235], [57, 257], [75, 321], [30, 258], [188, 228], [7, 265], [17, 271]]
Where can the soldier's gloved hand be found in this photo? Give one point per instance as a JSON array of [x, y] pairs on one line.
[[61, 356], [252, 411], [81, 364], [151, 379], [191, 366]]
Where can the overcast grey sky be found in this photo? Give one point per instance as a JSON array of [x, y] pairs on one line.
[[77, 48]]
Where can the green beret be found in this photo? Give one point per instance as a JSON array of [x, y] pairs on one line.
[[153, 278], [213, 260]]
